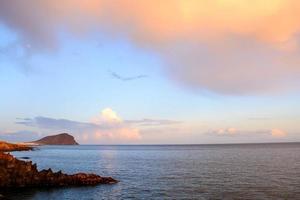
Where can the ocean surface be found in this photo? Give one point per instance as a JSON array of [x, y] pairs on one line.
[[233, 171]]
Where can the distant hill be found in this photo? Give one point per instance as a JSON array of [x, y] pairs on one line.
[[5, 146], [60, 139]]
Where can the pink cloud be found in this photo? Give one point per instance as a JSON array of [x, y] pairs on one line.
[[229, 47]]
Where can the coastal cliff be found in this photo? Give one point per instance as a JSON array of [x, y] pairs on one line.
[[16, 173], [60, 139]]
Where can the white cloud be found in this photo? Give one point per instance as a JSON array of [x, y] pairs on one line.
[[225, 132], [118, 130], [108, 115]]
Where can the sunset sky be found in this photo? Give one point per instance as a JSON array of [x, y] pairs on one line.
[[151, 71]]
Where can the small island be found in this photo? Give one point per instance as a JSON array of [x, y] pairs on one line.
[[16, 173], [60, 139]]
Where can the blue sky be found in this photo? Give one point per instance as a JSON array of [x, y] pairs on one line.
[[73, 82]]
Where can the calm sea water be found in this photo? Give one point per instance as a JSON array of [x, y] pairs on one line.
[[248, 171]]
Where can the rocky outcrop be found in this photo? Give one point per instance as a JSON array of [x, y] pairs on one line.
[[60, 139], [6, 147], [15, 173]]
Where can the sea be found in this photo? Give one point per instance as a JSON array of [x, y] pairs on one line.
[[222, 171]]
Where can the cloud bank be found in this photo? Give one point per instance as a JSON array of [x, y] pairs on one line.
[[224, 46], [19, 136], [234, 132], [153, 122], [105, 128], [108, 127]]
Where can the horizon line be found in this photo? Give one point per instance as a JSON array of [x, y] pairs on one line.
[[246, 143]]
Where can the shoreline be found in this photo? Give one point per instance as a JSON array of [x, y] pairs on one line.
[[15, 173], [8, 147]]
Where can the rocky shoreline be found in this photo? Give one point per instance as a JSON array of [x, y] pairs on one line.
[[16, 173], [7, 147]]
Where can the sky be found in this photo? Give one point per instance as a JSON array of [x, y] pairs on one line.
[[150, 72]]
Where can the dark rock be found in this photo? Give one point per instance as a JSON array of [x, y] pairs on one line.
[[25, 158], [16, 173]]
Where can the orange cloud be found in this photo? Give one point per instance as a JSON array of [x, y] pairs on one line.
[[226, 46], [278, 133], [270, 20]]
